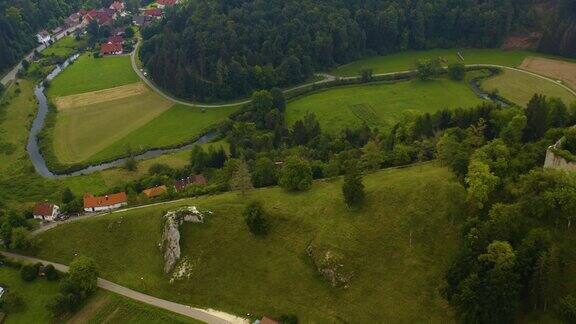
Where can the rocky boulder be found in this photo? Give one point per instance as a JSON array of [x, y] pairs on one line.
[[331, 265]]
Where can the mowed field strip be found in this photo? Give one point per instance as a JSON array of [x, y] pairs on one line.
[[95, 97], [560, 70], [380, 104]]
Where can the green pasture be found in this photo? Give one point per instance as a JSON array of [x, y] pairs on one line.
[[519, 87], [36, 295], [179, 124], [65, 46], [82, 132], [90, 74], [379, 104], [406, 60], [395, 280]]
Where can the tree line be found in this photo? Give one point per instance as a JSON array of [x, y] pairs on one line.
[[559, 36], [211, 50]]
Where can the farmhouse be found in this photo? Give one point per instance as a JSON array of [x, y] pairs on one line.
[[73, 20], [165, 3], [45, 211], [43, 37], [155, 191], [153, 12], [117, 6], [197, 179], [115, 40], [141, 20], [111, 49], [104, 16], [102, 203]]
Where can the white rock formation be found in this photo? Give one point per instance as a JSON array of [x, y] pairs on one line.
[[171, 233]]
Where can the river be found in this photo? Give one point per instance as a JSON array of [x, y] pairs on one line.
[[33, 147]]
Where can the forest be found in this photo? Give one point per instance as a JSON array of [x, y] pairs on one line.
[[209, 50], [559, 35]]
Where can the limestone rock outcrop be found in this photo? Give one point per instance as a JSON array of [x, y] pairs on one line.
[[171, 233]]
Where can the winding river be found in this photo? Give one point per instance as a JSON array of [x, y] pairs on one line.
[[33, 147]]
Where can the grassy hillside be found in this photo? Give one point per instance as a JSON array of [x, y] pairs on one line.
[[407, 60], [519, 87], [380, 104], [36, 295], [234, 271], [91, 74]]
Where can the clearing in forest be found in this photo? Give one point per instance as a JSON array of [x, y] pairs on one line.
[[556, 69], [380, 104], [270, 273]]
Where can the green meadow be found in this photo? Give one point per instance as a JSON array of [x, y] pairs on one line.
[[406, 60], [380, 104], [396, 250], [519, 87], [90, 74]]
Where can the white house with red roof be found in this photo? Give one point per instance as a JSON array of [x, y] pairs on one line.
[[43, 37], [104, 203], [45, 211]]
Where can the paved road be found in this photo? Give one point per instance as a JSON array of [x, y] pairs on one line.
[[208, 316], [11, 75]]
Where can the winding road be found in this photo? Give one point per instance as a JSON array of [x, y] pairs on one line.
[[205, 315]]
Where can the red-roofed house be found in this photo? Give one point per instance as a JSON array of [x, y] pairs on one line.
[[117, 6], [153, 12], [115, 40], [181, 184], [102, 203], [102, 16], [111, 49], [165, 3], [45, 211]]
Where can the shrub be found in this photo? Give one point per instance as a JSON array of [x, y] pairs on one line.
[[28, 272], [353, 189], [456, 71], [12, 302], [50, 272], [255, 219], [296, 175]]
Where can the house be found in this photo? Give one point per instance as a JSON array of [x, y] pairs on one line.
[[155, 191], [45, 211], [103, 203], [197, 179], [268, 320], [104, 16], [57, 31], [115, 40], [165, 3], [73, 20], [153, 12], [117, 6], [141, 20], [43, 37], [111, 49]]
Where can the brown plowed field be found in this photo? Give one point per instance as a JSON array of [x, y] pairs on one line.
[[558, 70], [96, 97]]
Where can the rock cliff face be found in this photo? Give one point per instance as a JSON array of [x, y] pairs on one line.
[[171, 233], [555, 161]]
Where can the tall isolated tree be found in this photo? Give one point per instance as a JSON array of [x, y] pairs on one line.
[[241, 179], [84, 274], [353, 189]]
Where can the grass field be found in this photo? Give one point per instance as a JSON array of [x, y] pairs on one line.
[[519, 87], [83, 131], [106, 307], [407, 60], [392, 281], [36, 295], [64, 47], [555, 69], [91, 74], [178, 124], [381, 104]]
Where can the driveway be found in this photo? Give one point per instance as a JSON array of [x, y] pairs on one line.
[[205, 315]]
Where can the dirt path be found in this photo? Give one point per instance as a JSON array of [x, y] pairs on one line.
[[205, 315]]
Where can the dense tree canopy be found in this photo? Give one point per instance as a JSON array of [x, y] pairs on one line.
[[207, 50]]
